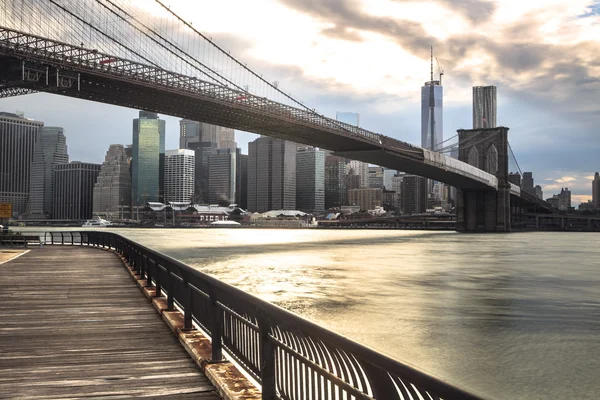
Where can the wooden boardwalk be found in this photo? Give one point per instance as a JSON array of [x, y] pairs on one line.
[[73, 324]]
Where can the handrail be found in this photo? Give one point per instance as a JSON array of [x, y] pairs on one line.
[[289, 356]]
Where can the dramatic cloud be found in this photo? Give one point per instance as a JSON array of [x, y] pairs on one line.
[[372, 56]]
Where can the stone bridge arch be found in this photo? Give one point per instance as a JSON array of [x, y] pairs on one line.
[[484, 210]]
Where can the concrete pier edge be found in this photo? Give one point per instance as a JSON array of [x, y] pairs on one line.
[[229, 381]]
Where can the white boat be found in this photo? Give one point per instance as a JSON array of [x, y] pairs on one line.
[[96, 222]]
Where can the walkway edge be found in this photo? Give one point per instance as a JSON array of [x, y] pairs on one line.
[[229, 381]]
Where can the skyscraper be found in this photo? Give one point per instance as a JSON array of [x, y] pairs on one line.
[[596, 190], [484, 107], [50, 150], [227, 138], [271, 174], [538, 192], [361, 169], [527, 182], [112, 191], [414, 194], [228, 177], [335, 182], [194, 131], [179, 175], [189, 132], [74, 190], [432, 124], [223, 176], [147, 163], [203, 151], [310, 179], [17, 142], [367, 199]]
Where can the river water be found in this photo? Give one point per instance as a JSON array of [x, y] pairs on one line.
[[507, 316]]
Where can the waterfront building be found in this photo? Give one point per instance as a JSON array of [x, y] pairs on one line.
[[335, 182], [148, 158], [179, 175], [74, 190], [527, 183], [538, 192], [271, 174], [596, 190], [17, 144], [366, 199], [414, 194], [112, 190], [50, 150], [362, 170], [310, 179], [484, 107]]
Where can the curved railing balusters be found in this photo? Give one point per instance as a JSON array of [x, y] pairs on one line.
[[289, 356]]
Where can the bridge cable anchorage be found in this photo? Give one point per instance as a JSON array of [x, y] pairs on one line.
[[167, 41], [102, 33]]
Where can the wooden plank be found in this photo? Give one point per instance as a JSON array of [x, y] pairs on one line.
[[75, 325]]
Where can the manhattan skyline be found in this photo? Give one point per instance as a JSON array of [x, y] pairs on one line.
[[547, 102]]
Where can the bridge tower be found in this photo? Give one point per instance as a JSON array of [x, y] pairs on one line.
[[484, 210]]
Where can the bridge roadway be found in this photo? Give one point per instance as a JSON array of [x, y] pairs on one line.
[[33, 63], [74, 324]]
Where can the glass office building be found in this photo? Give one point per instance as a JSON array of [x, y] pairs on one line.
[[148, 158]]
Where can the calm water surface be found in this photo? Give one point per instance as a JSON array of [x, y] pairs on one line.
[[508, 316]]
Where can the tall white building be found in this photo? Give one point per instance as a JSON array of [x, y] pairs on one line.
[[179, 175], [112, 191], [484, 107], [50, 150], [17, 142]]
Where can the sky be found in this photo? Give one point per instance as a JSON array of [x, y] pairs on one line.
[[372, 57]]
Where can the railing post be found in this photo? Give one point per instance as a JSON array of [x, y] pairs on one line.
[[187, 305], [267, 359], [62, 238], [157, 279], [170, 291], [146, 262], [71, 233], [216, 329]]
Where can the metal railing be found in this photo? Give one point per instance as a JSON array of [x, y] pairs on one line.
[[290, 357]]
